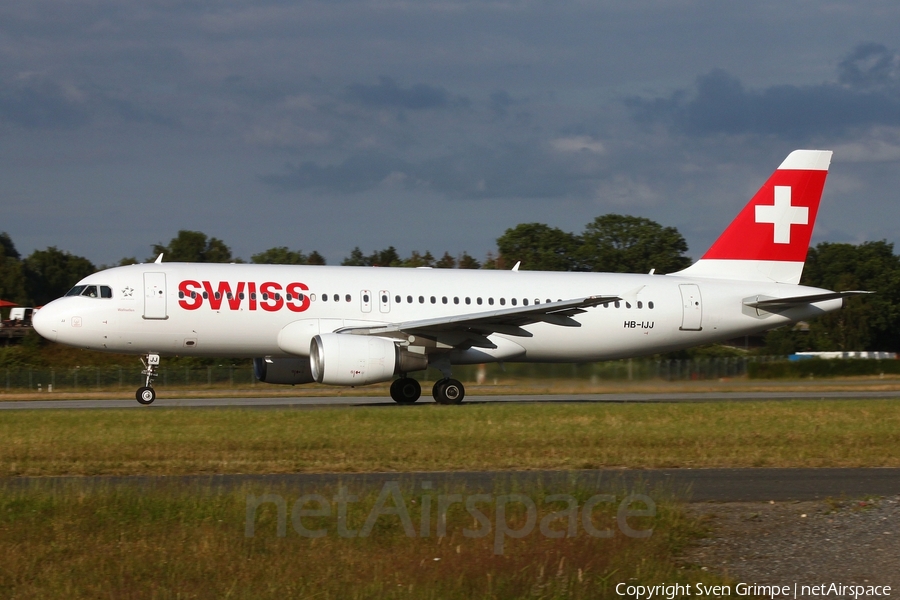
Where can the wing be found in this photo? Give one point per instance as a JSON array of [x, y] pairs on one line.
[[472, 329]]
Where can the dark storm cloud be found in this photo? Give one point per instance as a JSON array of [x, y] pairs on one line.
[[388, 94], [866, 94], [515, 170]]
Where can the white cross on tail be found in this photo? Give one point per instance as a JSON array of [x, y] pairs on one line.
[[782, 215]]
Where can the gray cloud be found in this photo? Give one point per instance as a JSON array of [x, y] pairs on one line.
[[866, 94], [42, 105], [388, 94]]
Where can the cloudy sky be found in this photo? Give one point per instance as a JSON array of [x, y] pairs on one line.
[[431, 124]]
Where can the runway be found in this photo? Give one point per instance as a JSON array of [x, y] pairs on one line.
[[691, 485], [350, 401]]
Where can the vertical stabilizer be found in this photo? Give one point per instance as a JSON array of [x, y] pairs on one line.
[[769, 238]]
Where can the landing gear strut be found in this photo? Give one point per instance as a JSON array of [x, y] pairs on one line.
[[405, 390], [448, 391], [146, 394]]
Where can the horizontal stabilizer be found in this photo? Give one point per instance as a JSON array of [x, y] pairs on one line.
[[776, 303]]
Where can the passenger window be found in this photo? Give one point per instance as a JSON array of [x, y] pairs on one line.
[[241, 296], [491, 301], [421, 299], [628, 305], [324, 297], [181, 294], [455, 299], [525, 302], [478, 301], [468, 300], [105, 291], [433, 300], [640, 304], [618, 305], [365, 297], [409, 299], [513, 301], [76, 291], [650, 305], [397, 299], [348, 298], [337, 297], [444, 300], [502, 301]]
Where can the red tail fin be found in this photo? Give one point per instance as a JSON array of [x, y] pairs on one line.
[[768, 240]]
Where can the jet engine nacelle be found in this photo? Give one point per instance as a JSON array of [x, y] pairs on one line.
[[345, 359], [283, 370]]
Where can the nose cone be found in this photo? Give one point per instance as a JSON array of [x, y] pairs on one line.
[[46, 322]]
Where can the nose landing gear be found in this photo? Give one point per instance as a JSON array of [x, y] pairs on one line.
[[146, 394]]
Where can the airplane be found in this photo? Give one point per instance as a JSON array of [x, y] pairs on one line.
[[353, 326]]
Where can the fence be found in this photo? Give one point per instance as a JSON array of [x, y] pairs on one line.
[[114, 378]]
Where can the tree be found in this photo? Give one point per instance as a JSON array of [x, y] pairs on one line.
[[539, 247], [12, 278], [281, 255], [467, 262], [356, 259], [446, 262], [416, 260], [193, 246], [51, 273], [379, 258], [625, 244]]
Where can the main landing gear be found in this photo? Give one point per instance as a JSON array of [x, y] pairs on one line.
[[146, 394], [448, 391], [407, 390]]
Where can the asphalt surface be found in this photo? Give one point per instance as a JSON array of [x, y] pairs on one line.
[[324, 401], [691, 485]]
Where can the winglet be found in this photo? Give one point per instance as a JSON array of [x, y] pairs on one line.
[[158, 259]]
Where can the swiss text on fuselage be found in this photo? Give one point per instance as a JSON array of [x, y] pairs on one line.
[[243, 295]]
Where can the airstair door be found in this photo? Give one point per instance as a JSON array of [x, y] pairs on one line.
[[155, 296], [693, 307]]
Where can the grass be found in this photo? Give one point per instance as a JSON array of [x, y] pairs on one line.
[[833, 433], [125, 542]]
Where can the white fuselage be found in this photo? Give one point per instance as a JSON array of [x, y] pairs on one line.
[[160, 308]]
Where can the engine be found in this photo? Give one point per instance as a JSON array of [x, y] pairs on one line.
[[283, 370], [343, 359]]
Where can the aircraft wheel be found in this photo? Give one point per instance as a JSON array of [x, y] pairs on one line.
[[405, 390], [145, 395], [448, 391]]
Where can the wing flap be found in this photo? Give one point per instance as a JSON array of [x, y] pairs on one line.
[[478, 326]]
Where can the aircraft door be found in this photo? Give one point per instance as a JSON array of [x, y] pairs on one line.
[[384, 301], [155, 296], [693, 307], [365, 299]]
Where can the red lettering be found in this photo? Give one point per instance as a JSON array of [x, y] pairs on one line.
[[234, 302], [192, 299], [295, 290], [215, 297], [274, 301], [251, 290]]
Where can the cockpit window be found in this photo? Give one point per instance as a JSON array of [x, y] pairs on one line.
[[91, 291]]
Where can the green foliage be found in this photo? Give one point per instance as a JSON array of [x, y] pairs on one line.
[[539, 247], [193, 246], [51, 273], [867, 322], [625, 244], [12, 278], [817, 367], [281, 255]]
